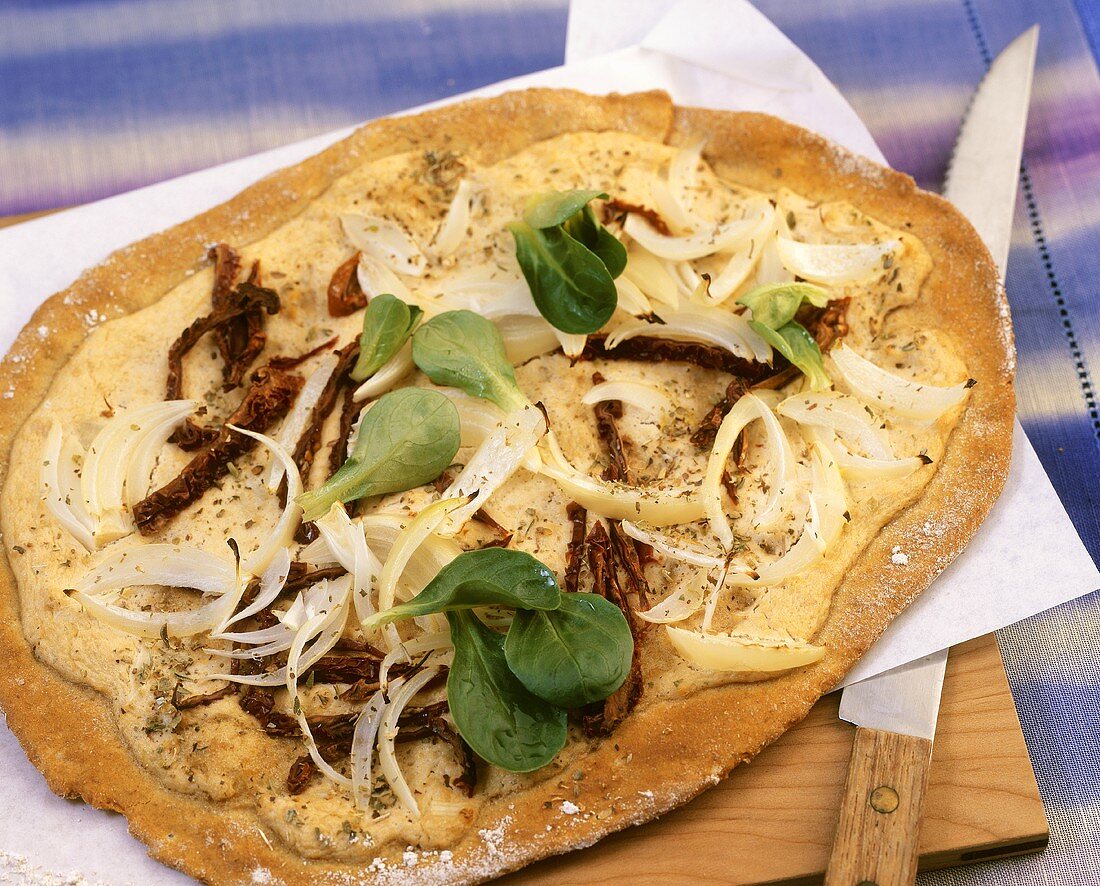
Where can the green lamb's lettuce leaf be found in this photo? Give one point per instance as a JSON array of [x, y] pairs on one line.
[[407, 439], [464, 350], [794, 342], [387, 324], [775, 304], [486, 577]]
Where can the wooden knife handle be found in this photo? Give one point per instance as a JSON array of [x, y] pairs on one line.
[[876, 837]]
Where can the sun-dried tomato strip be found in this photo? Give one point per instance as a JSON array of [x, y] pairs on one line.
[[626, 552], [254, 302], [504, 536], [607, 411], [248, 337], [200, 327], [227, 265], [578, 516], [830, 324], [345, 295], [627, 556], [182, 702], [601, 718], [333, 736], [293, 362], [651, 349], [310, 441], [613, 208], [333, 668], [267, 400], [309, 579], [704, 435]]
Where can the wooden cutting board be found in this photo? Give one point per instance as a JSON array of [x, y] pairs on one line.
[[772, 820]]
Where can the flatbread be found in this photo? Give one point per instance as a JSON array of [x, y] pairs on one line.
[[667, 750]]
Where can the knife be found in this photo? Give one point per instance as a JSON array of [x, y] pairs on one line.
[[895, 712]]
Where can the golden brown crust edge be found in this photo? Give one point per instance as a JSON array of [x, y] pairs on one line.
[[712, 731]]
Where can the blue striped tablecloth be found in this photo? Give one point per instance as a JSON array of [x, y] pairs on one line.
[[101, 97]]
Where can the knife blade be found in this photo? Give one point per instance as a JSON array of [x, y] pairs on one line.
[[895, 712]]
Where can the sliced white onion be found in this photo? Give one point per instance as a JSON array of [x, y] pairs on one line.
[[805, 552], [634, 393], [770, 268], [652, 277], [858, 467], [63, 497], [386, 241], [721, 238], [630, 298], [146, 450], [683, 171], [439, 641], [829, 491], [674, 548], [109, 457], [498, 457], [710, 326], [152, 625], [282, 534], [834, 263], [294, 667], [163, 566], [843, 414], [457, 221], [295, 423], [572, 345], [677, 606], [617, 501], [526, 337], [382, 531], [325, 618], [725, 652], [387, 733], [271, 584], [320, 597], [902, 396], [407, 542], [477, 418], [388, 375], [672, 210], [741, 263], [375, 279], [778, 453], [362, 749], [345, 539], [481, 282]]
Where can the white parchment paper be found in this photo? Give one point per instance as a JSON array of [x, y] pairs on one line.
[[713, 53]]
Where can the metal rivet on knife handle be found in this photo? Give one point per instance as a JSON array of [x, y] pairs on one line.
[[884, 799]]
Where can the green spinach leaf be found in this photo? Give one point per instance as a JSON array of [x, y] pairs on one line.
[[573, 655], [794, 342], [498, 717], [775, 304], [555, 207], [486, 577], [387, 324], [406, 439], [570, 284], [465, 350]]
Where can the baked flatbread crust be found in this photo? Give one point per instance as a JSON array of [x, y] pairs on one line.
[[675, 749]]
